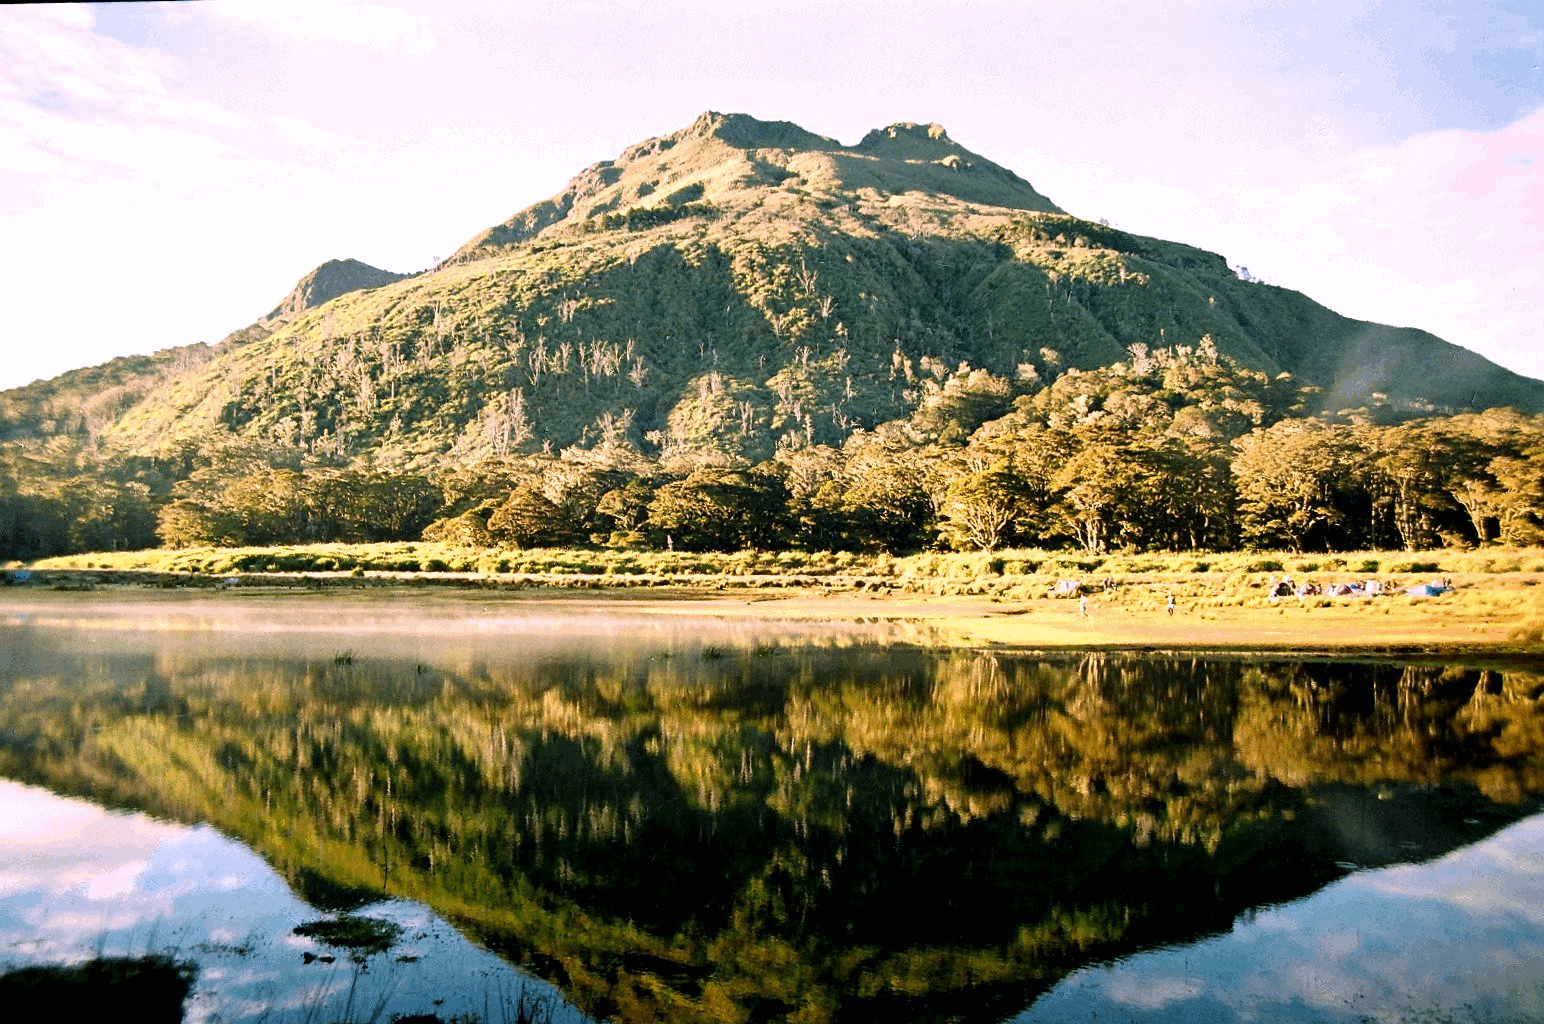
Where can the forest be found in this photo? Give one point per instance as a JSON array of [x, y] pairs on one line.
[[1171, 450]]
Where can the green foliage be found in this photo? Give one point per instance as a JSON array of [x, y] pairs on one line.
[[978, 367], [280, 506], [528, 520], [641, 218], [721, 510]]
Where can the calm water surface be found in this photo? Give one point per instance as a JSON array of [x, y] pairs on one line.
[[670, 816]]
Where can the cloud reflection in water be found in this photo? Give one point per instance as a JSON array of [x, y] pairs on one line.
[[77, 881], [1457, 939]]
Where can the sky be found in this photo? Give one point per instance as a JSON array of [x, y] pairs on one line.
[[168, 171]]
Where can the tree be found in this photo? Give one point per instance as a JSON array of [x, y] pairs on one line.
[[721, 510], [980, 506], [627, 506], [1406, 464], [527, 519], [1095, 488], [1287, 477], [1522, 496], [884, 497]]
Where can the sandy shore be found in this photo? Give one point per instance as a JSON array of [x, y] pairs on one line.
[[1047, 625], [1482, 617]]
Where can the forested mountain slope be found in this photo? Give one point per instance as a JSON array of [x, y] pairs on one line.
[[743, 295], [742, 281]]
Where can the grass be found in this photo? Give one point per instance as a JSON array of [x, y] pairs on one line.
[[361, 936], [1498, 588], [155, 987], [622, 567], [412, 557]]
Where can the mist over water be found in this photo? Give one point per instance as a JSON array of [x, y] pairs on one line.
[[673, 811]]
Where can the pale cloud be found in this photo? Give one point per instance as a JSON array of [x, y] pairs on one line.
[[302, 133], [376, 26], [1443, 231], [190, 110], [74, 105], [113, 171], [50, 48]]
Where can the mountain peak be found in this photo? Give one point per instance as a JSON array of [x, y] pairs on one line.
[[727, 162], [908, 140], [746, 132], [327, 282]]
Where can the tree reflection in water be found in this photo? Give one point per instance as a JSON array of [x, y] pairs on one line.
[[799, 832]]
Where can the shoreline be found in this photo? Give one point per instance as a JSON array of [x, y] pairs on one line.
[[1484, 618]]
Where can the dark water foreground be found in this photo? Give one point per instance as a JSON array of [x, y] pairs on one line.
[[684, 820]]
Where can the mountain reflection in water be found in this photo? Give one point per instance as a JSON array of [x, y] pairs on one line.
[[77, 881], [1460, 938], [737, 822]]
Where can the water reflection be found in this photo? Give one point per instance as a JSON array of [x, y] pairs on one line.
[[1460, 938], [726, 820], [77, 882]]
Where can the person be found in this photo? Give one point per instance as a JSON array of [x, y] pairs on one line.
[[1083, 606], [1170, 606]]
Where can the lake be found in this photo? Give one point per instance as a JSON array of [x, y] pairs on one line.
[[614, 809]]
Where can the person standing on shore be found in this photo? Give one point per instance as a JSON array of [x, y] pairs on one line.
[[1170, 606], [1083, 606]]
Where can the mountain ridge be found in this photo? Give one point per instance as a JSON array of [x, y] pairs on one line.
[[743, 283], [720, 154], [325, 283]]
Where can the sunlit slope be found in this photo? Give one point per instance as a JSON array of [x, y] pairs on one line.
[[740, 281], [87, 401]]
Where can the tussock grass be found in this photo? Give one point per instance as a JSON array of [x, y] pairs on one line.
[[1140, 581]]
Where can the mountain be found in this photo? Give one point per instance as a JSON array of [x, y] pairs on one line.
[[84, 402], [742, 283], [721, 158], [325, 283]]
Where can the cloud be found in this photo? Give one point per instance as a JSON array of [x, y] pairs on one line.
[[1442, 231], [52, 58], [303, 133], [1455, 938], [113, 170], [76, 106], [376, 26]]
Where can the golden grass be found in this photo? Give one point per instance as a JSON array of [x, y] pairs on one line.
[[1005, 597]]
